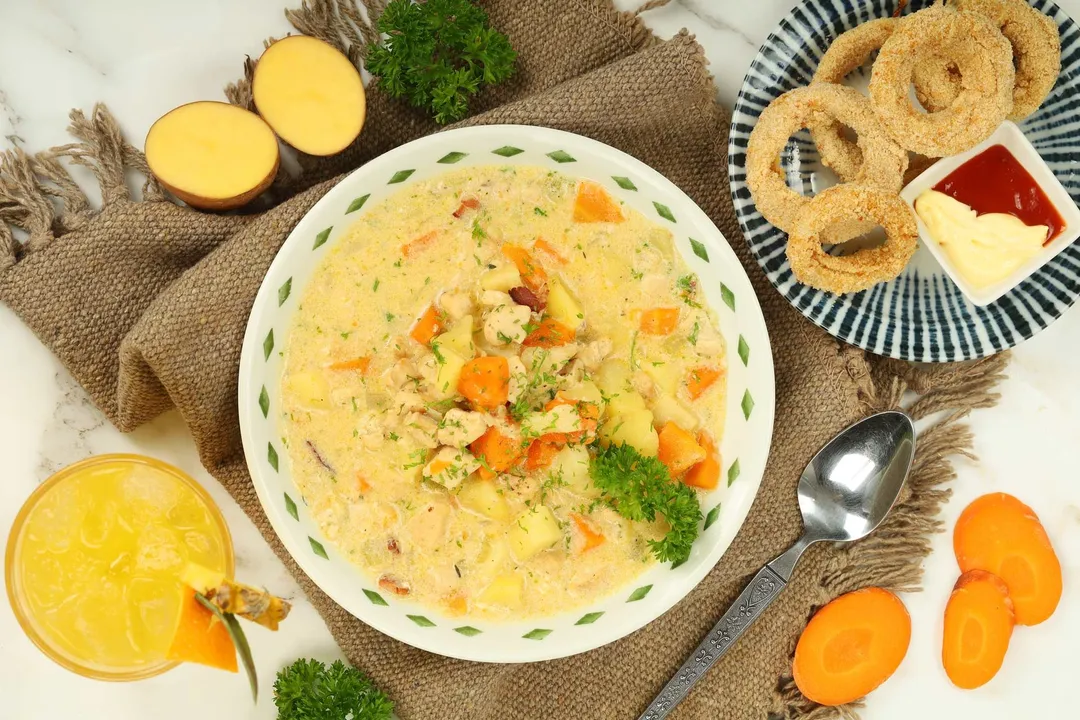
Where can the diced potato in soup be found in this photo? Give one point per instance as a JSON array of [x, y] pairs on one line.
[[442, 406]]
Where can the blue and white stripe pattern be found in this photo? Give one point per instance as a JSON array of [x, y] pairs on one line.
[[921, 316]]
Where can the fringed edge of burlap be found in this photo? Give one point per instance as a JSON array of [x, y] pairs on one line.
[[892, 557], [40, 197]]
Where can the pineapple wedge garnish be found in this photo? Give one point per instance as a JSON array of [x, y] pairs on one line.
[[258, 606]]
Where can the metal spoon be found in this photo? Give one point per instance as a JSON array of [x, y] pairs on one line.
[[844, 494]]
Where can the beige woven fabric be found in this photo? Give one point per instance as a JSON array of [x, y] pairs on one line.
[[146, 304]]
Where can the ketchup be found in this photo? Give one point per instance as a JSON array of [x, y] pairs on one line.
[[995, 182]]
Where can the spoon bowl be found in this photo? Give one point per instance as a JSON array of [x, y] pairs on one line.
[[852, 483]]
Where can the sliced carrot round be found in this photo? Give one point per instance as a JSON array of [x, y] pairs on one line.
[[979, 621], [851, 646], [1001, 535]]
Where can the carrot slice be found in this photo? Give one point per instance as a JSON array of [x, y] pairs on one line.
[[678, 449], [360, 363], [593, 538], [851, 646], [499, 452], [532, 274], [701, 379], [466, 205], [979, 622], [200, 637], [706, 474], [542, 450], [593, 204], [414, 246], [1001, 535], [427, 327], [485, 381], [659, 321], [544, 246], [550, 333]]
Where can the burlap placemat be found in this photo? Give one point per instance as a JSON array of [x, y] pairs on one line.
[[146, 303]]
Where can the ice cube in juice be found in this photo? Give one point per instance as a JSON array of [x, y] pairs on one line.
[[95, 557]]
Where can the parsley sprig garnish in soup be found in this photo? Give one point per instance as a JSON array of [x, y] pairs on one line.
[[503, 393]]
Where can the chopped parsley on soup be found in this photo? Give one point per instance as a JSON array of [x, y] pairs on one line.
[[463, 367]]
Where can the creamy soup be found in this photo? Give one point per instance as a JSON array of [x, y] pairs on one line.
[[457, 359]]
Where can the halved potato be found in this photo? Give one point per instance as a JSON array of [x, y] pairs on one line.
[[212, 155], [310, 94]]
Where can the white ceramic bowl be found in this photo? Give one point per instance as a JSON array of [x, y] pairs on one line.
[[746, 436], [1014, 140]]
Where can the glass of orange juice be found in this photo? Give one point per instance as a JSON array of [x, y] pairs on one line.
[[94, 561]]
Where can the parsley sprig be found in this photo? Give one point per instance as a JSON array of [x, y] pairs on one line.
[[308, 690], [639, 488], [437, 54]]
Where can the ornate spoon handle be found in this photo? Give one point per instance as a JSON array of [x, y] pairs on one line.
[[757, 596]]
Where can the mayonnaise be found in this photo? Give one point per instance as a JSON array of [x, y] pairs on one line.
[[985, 249]]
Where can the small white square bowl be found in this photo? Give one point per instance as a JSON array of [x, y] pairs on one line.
[[1014, 141]]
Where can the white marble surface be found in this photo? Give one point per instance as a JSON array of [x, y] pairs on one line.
[[143, 57]]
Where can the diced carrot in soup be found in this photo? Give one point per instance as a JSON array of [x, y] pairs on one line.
[[531, 272], [594, 204], [706, 474], [544, 246], [678, 450], [497, 450], [427, 327], [361, 364], [659, 321], [543, 450], [485, 381], [550, 333], [701, 379], [411, 248]]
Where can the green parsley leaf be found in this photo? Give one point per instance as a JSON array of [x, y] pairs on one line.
[[438, 54], [308, 690], [639, 488]]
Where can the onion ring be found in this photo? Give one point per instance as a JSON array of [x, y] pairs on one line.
[[795, 109], [840, 213], [937, 82], [848, 52], [984, 57], [1036, 46]]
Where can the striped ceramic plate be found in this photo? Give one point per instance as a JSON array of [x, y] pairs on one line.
[[921, 316]]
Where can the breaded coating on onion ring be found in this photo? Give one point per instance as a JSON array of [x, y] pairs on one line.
[[796, 109], [838, 214], [984, 57], [1036, 46], [848, 52]]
